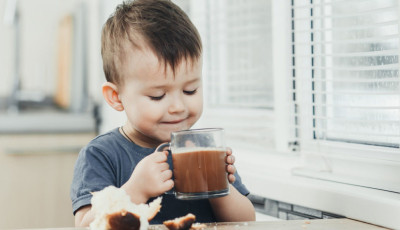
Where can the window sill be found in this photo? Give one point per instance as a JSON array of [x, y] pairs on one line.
[[270, 176]]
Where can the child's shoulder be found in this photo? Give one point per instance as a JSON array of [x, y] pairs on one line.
[[112, 134], [107, 136], [105, 141]]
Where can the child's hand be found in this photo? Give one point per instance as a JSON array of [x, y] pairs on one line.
[[151, 177], [230, 168]]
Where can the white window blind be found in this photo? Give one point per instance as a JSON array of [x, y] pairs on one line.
[[237, 73], [239, 52], [346, 83]]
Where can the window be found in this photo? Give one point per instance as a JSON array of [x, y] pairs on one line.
[[346, 90], [334, 116], [237, 69], [239, 52], [335, 101]]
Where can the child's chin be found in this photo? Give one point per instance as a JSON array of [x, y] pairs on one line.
[[165, 138]]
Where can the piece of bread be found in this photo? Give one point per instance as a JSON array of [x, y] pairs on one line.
[[181, 223], [113, 209], [123, 220]]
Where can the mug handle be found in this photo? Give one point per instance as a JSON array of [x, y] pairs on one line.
[[162, 147]]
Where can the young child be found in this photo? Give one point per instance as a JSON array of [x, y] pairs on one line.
[[152, 59]]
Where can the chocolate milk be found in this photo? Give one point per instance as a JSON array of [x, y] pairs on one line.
[[200, 171]]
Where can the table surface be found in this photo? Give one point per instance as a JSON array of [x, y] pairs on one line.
[[317, 224]]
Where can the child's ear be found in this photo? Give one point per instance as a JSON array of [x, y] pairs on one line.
[[110, 94]]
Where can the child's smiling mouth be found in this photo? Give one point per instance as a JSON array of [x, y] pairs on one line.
[[173, 122]]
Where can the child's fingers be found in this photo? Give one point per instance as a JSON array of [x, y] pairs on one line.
[[163, 166], [160, 156], [166, 175], [168, 185], [231, 178], [228, 151], [230, 169], [230, 159]]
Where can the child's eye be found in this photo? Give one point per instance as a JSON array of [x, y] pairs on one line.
[[156, 98], [189, 92]]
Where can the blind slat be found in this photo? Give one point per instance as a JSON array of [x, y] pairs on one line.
[[344, 16], [361, 68], [350, 79], [343, 92], [376, 39], [345, 132], [357, 107], [390, 52], [375, 26], [360, 121], [330, 3]]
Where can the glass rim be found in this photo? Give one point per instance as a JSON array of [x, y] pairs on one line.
[[202, 130]]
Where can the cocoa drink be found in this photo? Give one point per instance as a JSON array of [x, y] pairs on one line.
[[198, 157], [200, 171]]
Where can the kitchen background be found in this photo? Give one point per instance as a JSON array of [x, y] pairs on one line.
[[308, 92]]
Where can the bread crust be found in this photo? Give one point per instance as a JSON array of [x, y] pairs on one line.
[[123, 220], [181, 223]]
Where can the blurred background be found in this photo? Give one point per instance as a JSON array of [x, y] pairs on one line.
[[308, 92], [50, 97], [48, 107]]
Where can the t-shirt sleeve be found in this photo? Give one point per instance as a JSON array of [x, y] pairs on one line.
[[93, 171], [239, 185]]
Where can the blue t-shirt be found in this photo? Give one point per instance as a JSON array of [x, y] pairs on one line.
[[110, 159]]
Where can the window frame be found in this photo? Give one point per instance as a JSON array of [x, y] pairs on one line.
[[318, 158], [272, 173], [342, 162]]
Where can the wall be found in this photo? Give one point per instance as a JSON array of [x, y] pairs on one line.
[[38, 45], [39, 22], [6, 54], [35, 177], [36, 169]]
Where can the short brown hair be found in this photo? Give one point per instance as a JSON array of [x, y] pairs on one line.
[[165, 28]]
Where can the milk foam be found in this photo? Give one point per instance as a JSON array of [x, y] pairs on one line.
[[195, 149]]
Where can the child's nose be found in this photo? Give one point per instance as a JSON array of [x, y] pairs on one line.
[[177, 105]]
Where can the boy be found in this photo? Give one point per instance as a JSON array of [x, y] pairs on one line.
[[152, 61]]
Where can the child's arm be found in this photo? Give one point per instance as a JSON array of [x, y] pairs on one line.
[[150, 178], [84, 216], [235, 206]]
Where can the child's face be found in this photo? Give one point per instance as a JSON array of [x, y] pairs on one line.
[[155, 101]]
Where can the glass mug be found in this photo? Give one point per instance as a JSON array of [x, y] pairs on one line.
[[199, 167]]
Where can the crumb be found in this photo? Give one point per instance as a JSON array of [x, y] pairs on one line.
[[181, 223], [197, 226]]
